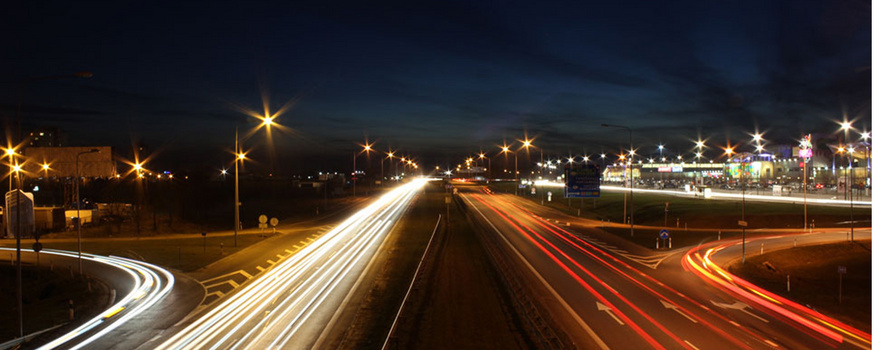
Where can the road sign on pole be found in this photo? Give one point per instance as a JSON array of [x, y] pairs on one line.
[[582, 181], [664, 234]]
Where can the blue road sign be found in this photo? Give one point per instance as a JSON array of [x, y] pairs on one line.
[[663, 234], [582, 181]]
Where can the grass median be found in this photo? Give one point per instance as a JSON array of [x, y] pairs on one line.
[[814, 278], [182, 254]]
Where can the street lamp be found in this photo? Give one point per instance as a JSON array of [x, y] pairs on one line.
[[483, 156], [742, 223], [268, 120], [11, 153], [631, 153], [850, 151], [367, 148], [239, 156], [661, 157], [79, 205], [505, 150], [389, 155]]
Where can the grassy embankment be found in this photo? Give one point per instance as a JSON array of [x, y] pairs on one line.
[[814, 279]]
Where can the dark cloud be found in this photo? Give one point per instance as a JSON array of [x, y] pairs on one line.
[[440, 78]]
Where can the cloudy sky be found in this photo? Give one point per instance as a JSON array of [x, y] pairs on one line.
[[436, 79]]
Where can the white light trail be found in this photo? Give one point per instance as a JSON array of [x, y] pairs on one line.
[[738, 196], [270, 311], [148, 289]]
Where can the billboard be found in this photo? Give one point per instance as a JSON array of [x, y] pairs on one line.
[[582, 181], [62, 161], [16, 199]]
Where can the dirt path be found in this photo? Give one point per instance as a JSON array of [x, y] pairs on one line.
[[459, 302]]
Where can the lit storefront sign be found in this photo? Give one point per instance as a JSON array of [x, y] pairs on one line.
[[669, 169]]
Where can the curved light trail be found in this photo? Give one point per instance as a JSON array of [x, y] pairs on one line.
[[270, 312], [150, 284], [699, 260]]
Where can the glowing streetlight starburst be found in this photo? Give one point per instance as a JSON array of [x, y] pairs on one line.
[[757, 137], [845, 125], [267, 121]]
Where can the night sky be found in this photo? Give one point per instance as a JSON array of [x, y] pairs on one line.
[[438, 80]]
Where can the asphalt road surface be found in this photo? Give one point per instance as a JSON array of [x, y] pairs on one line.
[[607, 293]]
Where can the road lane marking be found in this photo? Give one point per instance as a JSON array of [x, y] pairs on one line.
[[668, 305], [690, 345], [609, 311], [248, 276], [594, 336], [260, 268], [740, 307], [216, 293]]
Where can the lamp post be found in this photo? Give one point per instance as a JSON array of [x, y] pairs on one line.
[[661, 175], [20, 296], [239, 156], [21, 86], [526, 143], [742, 223], [267, 121], [78, 206], [505, 150], [806, 148], [850, 151], [483, 156], [390, 155], [631, 153], [367, 148]]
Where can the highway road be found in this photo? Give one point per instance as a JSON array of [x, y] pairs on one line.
[[290, 304], [607, 293]]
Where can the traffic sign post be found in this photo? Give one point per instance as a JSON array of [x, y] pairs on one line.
[[665, 235], [262, 222], [582, 181], [842, 270], [273, 223]]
